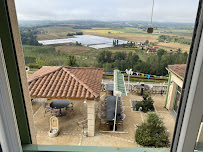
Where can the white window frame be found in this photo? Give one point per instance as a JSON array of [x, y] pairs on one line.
[[190, 111], [193, 111], [189, 114]]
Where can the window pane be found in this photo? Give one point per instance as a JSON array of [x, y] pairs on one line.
[[177, 100], [97, 78]]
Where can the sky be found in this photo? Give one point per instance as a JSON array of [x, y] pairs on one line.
[[183, 11]]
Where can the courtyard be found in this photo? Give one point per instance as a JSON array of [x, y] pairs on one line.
[[71, 134]]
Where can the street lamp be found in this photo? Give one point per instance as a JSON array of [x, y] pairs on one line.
[[129, 72]]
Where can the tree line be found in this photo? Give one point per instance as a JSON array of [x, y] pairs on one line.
[[77, 33], [28, 36], [175, 39], [154, 64], [128, 44], [37, 56]]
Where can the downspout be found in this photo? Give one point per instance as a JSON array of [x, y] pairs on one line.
[[169, 81]]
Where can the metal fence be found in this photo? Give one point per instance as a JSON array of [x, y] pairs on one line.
[[154, 88]]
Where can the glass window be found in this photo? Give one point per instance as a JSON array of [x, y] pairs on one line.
[[78, 120], [177, 99], [62, 93]]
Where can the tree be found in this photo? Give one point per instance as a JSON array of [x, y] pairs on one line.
[[77, 43], [147, 42], [179, 50], [70, 34], [71, 60], [108, 67], [164, 37], [79, 33], [41, 62], [101, 57], [108, 56], [58, 52], [151, 43], [152, 132], [146, 103], [161, 52]]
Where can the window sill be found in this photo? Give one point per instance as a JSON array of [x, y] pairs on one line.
[[61, 148]]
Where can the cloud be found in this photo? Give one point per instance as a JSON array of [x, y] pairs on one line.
[[107, 10]]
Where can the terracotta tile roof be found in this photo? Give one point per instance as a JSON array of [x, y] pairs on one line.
[[66, 82], [178, 69]]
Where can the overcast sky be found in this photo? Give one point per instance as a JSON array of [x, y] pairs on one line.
[[107, 10]]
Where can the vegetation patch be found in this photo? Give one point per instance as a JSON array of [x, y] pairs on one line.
[[28, 36], [145, 105], [153, 64], [152, 132], [175, 39]]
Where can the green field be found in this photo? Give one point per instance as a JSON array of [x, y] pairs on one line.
[[57, 55], [86, 56], [133, 30]]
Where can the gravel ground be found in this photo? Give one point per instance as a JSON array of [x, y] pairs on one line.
[[70, 134]]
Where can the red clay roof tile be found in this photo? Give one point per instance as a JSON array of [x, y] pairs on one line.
[[178, 69], [66, 82]]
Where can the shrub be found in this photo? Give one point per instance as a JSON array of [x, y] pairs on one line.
[[152, 132], [29, 59], [70, 34], [138, 105], [146, 104], [79, 33], [34, 66]]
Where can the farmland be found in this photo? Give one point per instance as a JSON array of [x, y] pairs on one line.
[[87, 56], [127, 34]]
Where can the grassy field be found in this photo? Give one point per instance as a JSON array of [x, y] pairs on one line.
[[72, 48], [124, 34], [54, 32], [174, 46], [87, 55], [128, 34], [57, 54]]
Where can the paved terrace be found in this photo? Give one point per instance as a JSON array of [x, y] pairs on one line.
[[71, 135]]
